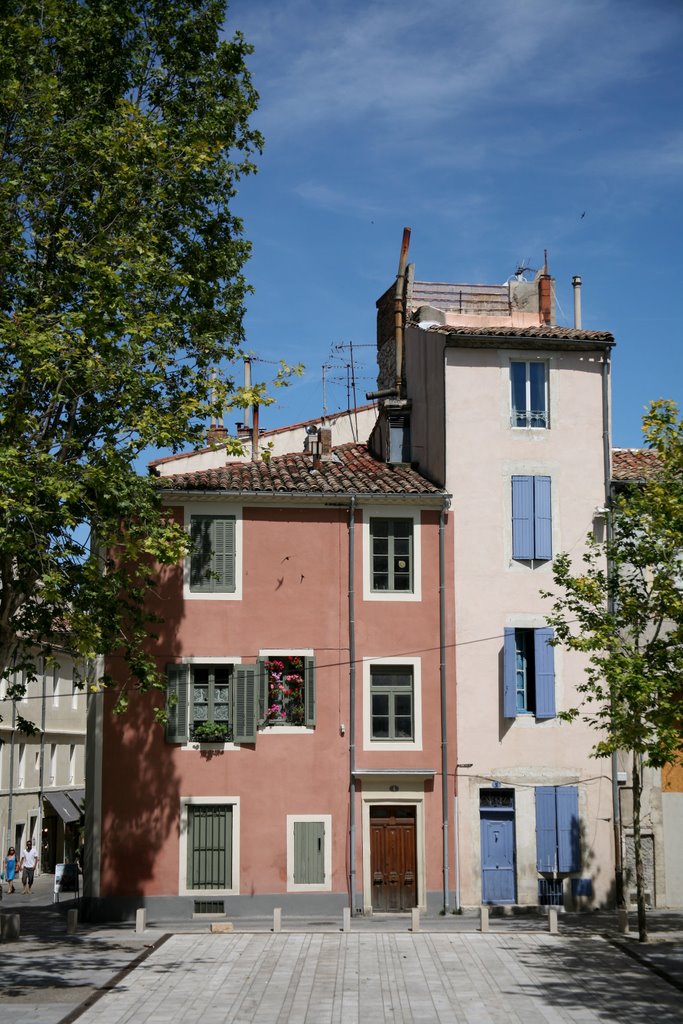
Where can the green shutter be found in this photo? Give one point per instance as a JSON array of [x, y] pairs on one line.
[[262, 685], [209, 846], [309, 692], [309, 852], [200, 556], [245, 704], [177, 686], [224, 555]]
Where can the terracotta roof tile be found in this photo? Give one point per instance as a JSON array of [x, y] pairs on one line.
[[552, 333], [633, 464], [352, 470]]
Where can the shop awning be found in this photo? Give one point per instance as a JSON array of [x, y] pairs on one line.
[[65, 808]]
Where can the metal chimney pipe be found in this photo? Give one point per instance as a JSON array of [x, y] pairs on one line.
[[247, 385], [576, 284]]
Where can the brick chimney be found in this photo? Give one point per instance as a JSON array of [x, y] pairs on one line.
[[216, 433]]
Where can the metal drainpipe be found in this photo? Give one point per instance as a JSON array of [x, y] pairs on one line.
[[10, 796], [352, 707], [41, 772], [607, 463], [444, 718]]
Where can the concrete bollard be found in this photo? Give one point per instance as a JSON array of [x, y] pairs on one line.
[[483, 919], [415, 919], [552, 920], [346, 919], [71, 922], [622, 920], [10, 927], [277, 919], [140, 919]]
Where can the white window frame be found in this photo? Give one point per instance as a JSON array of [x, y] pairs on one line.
[[218, 509], [391, 746], [286, 730], [208, 894], [391, 512], [195, 745], [325, 886]]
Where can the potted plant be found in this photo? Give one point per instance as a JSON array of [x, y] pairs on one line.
[[212, 732]]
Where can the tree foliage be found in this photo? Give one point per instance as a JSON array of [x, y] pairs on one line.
[[124, 131], [624, 606]]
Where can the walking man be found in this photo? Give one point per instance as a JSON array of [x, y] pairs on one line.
[[29, 859]]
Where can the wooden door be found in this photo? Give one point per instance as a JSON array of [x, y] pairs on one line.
[[497, 856], [393, 859]]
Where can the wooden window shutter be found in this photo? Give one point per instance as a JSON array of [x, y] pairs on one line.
[[178, 678], [543, 527], [523, 517], [245, 704], [224, 554], [509, 685], [546, 829], [309, 852], [262, 685], [200, 555], [568, 832], [544, 656], [309, 692]]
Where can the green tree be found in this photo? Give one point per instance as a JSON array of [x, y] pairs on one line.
[[124, 128], [624, 609]]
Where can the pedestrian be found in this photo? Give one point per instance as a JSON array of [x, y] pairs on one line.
[[9, 866], [29, 859]]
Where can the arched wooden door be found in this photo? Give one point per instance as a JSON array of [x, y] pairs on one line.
[[393, 858]]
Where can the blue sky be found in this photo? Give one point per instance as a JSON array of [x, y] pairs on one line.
[[494, 130]]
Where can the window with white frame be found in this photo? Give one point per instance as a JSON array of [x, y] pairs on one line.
[[391, 554], [529, 394], [22, 765], [213, 565], [53, 764], [392, 704], [55, 685], [286, 689], [209, 847], [72, 764], [309, 852], [200, 702]]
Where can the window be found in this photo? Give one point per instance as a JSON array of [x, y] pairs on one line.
[[55, 686], [391, 543], [528, 673], [22, 765], [309, 852], [558, 836], [72, 764], [212, 558], [391, 702], [287, 690], [209, 846], [200, 703], [53, 764], [529, 394], [532, 528]]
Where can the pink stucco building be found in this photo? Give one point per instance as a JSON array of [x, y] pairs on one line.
[[309, 649]]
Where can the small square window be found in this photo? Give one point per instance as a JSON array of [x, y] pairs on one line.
[[529, 394]]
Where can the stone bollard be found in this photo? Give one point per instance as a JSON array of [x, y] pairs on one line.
[[277, 919], [71, 922], [552, 920], [483, 919], [415, 919], [140, 919], [622, 920], [346, 919], [10, 927]]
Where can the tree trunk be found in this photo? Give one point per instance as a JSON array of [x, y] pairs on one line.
[[637, 848]]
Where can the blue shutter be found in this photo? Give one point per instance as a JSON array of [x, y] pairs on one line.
[[543, 526], [309, 690], [523, 517], [568, 833], [245, 704], [177, 686], [546, 830], [509, 685], [544, 656]]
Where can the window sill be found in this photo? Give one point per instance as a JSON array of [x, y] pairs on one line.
[[286, 730], [195, 745]]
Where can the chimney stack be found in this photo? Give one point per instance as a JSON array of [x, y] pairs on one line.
[[576, 283], [545, 299]]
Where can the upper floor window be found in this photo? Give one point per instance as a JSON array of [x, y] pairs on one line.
[[287, 690], [392, 702], [529, 394], [528, 673], [391, 542], [212, 557], [201, 704]]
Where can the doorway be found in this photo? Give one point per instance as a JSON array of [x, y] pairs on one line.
[[497, 811], [393, 858]]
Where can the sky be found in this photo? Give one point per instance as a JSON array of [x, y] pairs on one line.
[[494, 130]]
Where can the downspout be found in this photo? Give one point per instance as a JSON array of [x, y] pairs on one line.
[[10, 796], [444, 711], [352, 706], [41, 772], [399, 310], [607, 463]]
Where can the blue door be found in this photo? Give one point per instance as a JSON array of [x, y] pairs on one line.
[[497, 856]]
